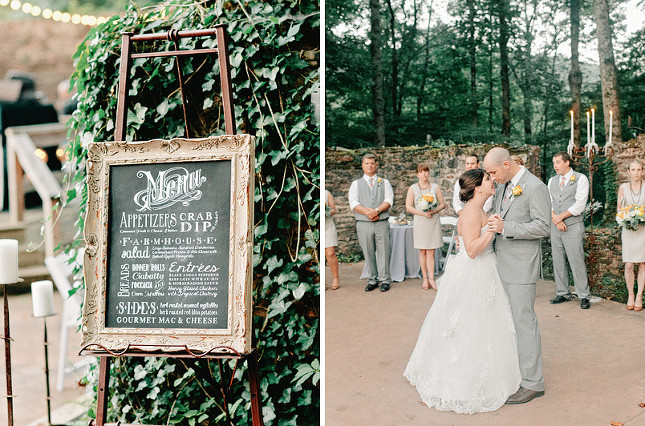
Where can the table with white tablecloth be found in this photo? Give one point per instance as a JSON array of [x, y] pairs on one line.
[[404, 258]]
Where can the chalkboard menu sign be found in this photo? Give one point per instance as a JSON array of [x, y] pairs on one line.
[[169, 245], [169, 232]]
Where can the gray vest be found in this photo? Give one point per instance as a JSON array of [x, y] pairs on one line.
[[565, 198], [371, 198]]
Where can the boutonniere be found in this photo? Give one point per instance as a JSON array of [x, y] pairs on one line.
[[572, 180], [378, 181], [517, 191]]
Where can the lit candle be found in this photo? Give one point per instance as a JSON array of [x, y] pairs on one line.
[[588, 132], [8, 261], [611, 123], [42, 298], [593, 126], [571, 112]]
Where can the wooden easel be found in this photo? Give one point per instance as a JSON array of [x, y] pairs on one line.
[[219, 353]]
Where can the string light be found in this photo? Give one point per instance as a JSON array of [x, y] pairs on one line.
[[55, 15]]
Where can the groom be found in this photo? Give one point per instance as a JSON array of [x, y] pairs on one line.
[[522, 208]]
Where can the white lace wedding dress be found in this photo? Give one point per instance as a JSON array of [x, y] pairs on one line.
[[465, 359]]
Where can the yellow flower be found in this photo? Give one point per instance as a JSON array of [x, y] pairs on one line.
[[379, 180], [573, 178], [428, 197], [517, 191]]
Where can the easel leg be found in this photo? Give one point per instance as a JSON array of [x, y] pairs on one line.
[[104, 390], [254, 384]]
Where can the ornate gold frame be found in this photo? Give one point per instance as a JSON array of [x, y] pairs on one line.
[[239, 149]]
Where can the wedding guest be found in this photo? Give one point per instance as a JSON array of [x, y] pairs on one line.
[[331, 239], [631, 193], [370, 198], [472, 162], [425, 201], [569, 192], [518, 160]]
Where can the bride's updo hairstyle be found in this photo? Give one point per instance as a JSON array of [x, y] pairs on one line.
[[468, 181]]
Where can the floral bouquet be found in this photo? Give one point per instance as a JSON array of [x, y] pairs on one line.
[[631, 217], [327, 210], [427, 202]]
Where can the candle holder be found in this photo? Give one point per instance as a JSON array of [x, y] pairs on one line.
[[42, 296], [595, 157], [7, 353], [47, 387]]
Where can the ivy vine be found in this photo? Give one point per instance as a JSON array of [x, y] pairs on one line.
[[274, 54]]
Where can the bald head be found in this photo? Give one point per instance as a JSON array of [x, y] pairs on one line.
[[497, 156], [499, 164]]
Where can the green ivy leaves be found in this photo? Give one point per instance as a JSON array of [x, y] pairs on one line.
[[272, 89]]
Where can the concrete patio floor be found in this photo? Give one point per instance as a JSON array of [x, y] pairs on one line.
[[594, 360]]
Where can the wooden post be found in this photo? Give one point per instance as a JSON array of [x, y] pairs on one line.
[[254, 385], [124, 87], [104, 390], [225, 79], [15, 175]]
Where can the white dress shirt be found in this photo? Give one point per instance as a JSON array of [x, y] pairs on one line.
[[352, 195], [582, 192], [515, 179], [457, 204]]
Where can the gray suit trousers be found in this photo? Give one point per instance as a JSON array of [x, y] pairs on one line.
[[568, 246], [374, 238], [529, 341]]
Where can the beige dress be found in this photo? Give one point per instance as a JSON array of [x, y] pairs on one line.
[[633, 241], [427, 232], [331, 236]]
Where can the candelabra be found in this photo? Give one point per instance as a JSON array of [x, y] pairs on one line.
[[591, 156]]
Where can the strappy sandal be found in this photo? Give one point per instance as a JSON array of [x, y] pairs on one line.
[[425, 285], [334, 284], [433, 284]]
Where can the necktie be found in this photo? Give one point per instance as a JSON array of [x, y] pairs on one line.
[[509, 190], [371, 182], [561, 182]]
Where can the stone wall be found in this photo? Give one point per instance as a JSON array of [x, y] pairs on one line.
[[398, 165], [446, 164], [626, 152]]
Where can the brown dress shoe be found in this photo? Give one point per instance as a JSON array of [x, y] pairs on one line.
[[523, 395]]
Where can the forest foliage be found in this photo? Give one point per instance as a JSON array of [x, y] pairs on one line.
[[442, 72], [274, 57]]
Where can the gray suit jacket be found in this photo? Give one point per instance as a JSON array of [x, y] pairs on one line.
[[527, 219]]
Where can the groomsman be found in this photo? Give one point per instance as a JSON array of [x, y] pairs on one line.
[[472, 162], [569, 191], [371, 197]]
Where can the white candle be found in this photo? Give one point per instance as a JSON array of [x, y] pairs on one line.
[[8, 261], [588, 132], [611, 123], [571, 142], [593, 125], [42, 298]]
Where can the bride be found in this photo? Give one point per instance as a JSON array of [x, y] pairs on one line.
[[465, 359]]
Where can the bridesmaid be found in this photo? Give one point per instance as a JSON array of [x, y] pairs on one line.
[[629, 193], [427, 226], [331, 239]]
